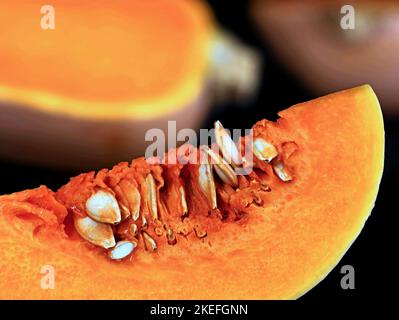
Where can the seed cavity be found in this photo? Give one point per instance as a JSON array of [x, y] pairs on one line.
[[258, 201], [149, 243], [103, 207], [227, 145], [239, 213], [182, 230], [223, 169], [265, 187], [158, 231], [199, 232], [281, 172], [158, 223], [264, 150], [152, 196], [132, 214], [206, 181], [122, 250], [97, 233], [170, 236]]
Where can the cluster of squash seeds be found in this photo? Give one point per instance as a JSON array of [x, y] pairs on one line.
[[105, 209]]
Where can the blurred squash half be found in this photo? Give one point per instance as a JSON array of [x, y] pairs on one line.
[[83, 94]]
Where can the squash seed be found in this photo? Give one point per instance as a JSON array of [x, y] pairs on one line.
[[125, 213], [183, 201], [152, 196], [96, 233], [122, 249], [103, 207], [281, 172], [170, 236], [134, 230], [199, 232], [227, 146], [143, 222], [222, 168], [130, 196], [206, 181], [264, 150], [149, 242], [134, 198]]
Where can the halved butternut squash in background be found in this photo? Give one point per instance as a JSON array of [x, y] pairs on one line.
[[87, 90], [269, 235]]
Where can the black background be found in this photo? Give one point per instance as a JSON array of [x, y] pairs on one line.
[[372, 254]]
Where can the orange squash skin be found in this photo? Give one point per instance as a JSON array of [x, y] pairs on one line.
[[278, 251]]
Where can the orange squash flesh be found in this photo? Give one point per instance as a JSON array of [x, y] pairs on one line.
[[278, 250], [105, 59]]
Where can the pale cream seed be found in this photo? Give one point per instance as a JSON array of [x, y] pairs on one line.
[[125, 213], [206, 181], [122, 249], [152, 197], [134, 199], [227, 146], [134, 230], [149, 242], [97, 233], [264, 150], [223, 169], [281, 172], [183, 201], [103, 207]]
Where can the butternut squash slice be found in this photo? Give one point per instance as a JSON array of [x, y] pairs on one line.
[[272, 234]]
